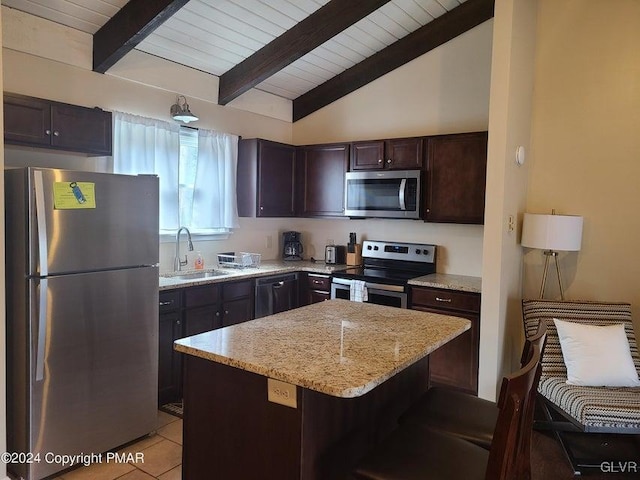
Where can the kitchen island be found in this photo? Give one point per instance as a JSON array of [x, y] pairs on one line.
[[304, 393]]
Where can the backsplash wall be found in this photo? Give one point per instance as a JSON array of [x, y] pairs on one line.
[[459, 246]]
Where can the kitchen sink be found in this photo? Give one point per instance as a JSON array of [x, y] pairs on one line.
[[195, 275]]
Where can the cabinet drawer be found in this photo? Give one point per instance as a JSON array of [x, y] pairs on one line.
[[318, 282], [169, 301], [237, 290], [446, 299], [198, 296]]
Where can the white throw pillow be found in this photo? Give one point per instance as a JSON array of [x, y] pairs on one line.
[[596, 356]]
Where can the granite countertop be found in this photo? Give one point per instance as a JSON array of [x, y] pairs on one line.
[[450, 282], [337, 347], [270, 267]]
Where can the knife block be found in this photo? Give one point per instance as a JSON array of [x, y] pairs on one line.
[[355, 258]]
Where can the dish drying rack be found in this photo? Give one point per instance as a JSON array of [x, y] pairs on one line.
[[240, 260]]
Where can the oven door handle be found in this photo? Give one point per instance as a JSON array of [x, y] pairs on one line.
[[344, 283]]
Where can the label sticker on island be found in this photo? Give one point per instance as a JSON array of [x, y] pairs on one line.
[[282, 393]]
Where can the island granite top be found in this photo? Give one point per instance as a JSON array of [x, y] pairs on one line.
[[337, 347]]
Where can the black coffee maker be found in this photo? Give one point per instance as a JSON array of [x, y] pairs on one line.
[[292, 246]]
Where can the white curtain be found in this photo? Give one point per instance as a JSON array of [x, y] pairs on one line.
[[214, 198], [145, 145]]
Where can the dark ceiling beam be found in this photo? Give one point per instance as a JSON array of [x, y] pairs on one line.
[[426, 38], [313, 31], [127, 28]]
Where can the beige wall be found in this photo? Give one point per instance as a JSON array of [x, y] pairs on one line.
[[509, 127], [443, 91], [586, 145]]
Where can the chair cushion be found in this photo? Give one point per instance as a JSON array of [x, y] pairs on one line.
[[466, 416], [589, 313], [596, 355], [598, 409], [422, 454]]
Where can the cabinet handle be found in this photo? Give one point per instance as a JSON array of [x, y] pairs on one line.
[[164, 304], [48, 132], [56, 133], [261, 207], [178, 322], [379, 160], [317, 282], [389, 161], [445, 300], [226, 312], [217, 314]]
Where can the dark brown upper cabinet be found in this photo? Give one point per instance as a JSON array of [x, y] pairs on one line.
[[396, 154], [36, 122], [455, 180], [321, 170], [266, 178]]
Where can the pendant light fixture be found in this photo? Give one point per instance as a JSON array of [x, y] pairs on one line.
[[180, 111]]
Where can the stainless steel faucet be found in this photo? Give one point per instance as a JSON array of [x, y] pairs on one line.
[[177, 263]]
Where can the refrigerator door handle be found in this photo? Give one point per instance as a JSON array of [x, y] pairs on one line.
[[42, 330], [41, 219]]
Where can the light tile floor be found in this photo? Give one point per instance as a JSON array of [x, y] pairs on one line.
[[162, 457]]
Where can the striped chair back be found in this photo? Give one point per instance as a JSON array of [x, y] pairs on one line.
[[591, 313]]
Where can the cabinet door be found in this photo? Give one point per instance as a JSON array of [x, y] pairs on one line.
[[200, 320], [456, 363], [27, 121], [321, 179], [403, 153], [276, 176], [456, 178], [236, 311], [169, 361], [316, 296], [81, 129], [367, 155]]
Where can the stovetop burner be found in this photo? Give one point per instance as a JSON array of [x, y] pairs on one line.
[[392, 263]]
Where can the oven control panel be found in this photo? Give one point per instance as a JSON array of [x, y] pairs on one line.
[[408, 252]]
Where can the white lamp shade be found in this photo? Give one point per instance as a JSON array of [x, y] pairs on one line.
[[552, 232]]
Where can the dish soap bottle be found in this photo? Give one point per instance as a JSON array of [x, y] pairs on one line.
[[199, 262]]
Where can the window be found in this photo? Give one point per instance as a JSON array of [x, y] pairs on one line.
[[187, 173], [197, 171]]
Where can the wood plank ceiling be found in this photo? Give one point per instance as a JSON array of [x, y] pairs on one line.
[[310, 51]]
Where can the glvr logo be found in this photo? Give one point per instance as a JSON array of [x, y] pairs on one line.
[[619, 467]]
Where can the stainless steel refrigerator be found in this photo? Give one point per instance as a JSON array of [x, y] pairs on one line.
[[82, 313]]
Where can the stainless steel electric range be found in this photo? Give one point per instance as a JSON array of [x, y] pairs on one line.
[[386, 269]]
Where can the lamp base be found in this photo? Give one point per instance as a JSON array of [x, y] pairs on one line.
[[548, 254]]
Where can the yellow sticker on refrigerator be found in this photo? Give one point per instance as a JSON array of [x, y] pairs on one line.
[[74, 195]]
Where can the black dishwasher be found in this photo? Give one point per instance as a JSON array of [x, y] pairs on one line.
[[277, 293]]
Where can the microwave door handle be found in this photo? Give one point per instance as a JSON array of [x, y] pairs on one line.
[[401, 194]]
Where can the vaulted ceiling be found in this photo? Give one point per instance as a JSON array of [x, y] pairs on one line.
[[312, 52]]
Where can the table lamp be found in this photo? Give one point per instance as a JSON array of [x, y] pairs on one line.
[[552, 233]]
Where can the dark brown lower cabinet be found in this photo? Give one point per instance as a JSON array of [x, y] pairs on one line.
[[456, 363], [169, 361], [190, 311], [314, 288], [231, 429]]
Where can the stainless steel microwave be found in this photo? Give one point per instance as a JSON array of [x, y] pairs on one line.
[[385, 194]]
